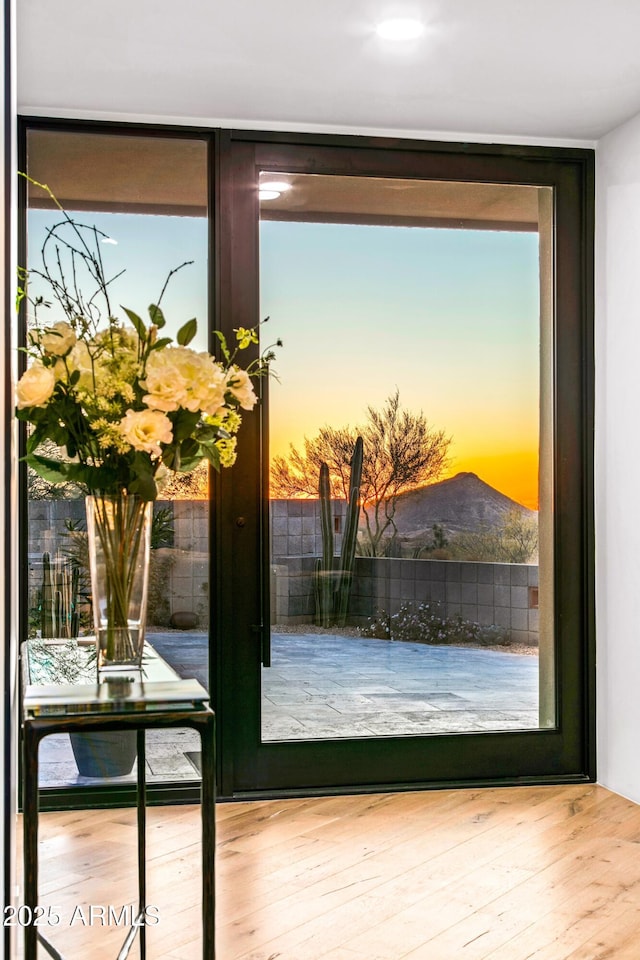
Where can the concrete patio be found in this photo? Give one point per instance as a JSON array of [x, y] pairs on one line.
[[325, 686]]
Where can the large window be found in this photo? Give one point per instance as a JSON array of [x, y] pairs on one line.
[[418, 612], [148, 197]]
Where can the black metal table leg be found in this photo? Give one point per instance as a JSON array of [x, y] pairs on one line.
[[31, 742], [208, 814], [142, 842]]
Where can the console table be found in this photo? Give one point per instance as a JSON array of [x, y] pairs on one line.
[[154, 698]]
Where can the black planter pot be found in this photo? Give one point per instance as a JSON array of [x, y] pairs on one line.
[[111, 753]]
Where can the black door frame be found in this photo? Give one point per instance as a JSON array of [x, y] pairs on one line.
[[565, 753], [246, 767]]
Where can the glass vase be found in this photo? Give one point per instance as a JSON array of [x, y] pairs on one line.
[[119, 541]]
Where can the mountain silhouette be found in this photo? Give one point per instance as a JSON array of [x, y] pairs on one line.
[[460, 503]]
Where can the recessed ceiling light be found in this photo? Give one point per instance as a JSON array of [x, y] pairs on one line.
[[280, 185], [400, 29], [268, 194]]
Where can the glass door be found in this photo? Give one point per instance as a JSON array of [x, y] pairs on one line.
[[425, 456], [404, 461]]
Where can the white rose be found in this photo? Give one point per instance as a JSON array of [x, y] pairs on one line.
[[180, 377], [164, 382], [201, 375], [58, 339], [212, 395], [80, 359], [35, 386], [206, 383], [239, 384], [146, 430]]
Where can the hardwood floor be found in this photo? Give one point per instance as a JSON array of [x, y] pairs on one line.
[[548, 873]]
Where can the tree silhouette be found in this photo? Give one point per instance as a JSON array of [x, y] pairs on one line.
[[401, 452]]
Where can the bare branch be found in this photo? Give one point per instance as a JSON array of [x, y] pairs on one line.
[[401, 452]]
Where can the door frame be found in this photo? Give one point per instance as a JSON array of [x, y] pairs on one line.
[[247, 768], [565, 753]]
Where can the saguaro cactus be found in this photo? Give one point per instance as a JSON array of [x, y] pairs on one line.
[[350, 535], [324, 567], [333, 587], [58, 598]]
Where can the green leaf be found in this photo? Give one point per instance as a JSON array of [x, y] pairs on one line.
[[189, 449], [169, 457], [145, 486], [212, 454], [156, 315], [223, 345], [140, 328], [184, 424], [61, 471], [60, 437], [104, 477], [162, 342], [55, 471], [186, 466], [187, 332], [143, 482], [35, 439]]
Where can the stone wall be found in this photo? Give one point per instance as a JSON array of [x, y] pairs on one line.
[[296, 527], [500, 594], [189, 575], [183, 582]]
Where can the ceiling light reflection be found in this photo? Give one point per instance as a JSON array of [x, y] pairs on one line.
[[280, 185], [400, 29]]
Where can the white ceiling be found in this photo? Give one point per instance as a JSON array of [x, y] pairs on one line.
[[558, 70]]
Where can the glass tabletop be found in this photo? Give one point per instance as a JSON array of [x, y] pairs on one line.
[[60, 677]]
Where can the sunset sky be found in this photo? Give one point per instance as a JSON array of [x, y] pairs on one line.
[[449, 317], [146, 248]]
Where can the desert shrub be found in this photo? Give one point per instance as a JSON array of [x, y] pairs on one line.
[[426, 623], [513, 540], [162, 530], [158, 603]]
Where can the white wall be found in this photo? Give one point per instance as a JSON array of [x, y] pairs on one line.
[[7, 654], [618, 458], [3, 278]]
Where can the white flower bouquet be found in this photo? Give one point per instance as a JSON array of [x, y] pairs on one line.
[[122, 401], [123, 404]]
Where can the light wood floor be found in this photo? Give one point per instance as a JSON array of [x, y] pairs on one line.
[[550, 873]]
